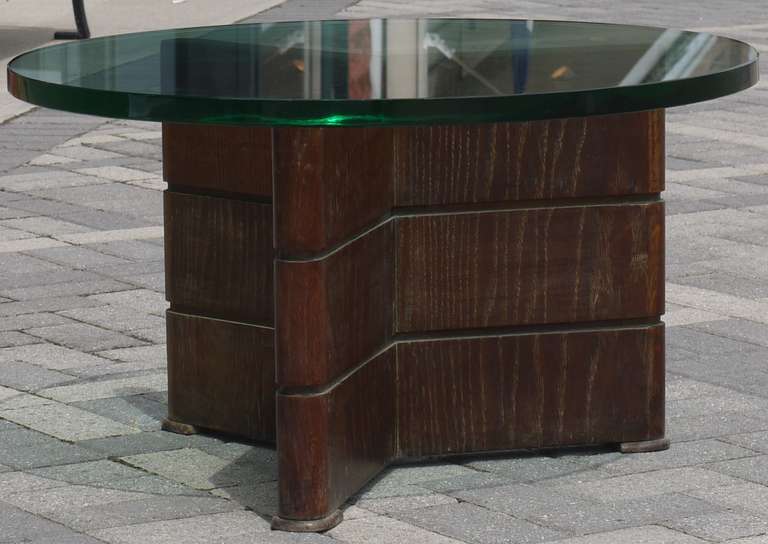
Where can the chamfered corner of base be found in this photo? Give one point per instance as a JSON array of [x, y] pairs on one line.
[[308, 526], [645, 446], [179, 428]]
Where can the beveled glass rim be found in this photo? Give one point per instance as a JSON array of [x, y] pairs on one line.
[[388, 111]]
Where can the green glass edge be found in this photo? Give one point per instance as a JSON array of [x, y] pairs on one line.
[[387, 112]]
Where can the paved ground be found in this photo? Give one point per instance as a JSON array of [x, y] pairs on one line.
[[82, 459]]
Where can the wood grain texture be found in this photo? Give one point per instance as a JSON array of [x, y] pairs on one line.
[[221, 376], [234, 160], [330, 184], [530, 266], [218, 257], [331, 444], [530, 391], [562, 158], [335, 312]]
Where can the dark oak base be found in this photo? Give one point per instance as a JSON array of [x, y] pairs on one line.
[[179, 428], [308, 526], [373, 295], [645, 447]]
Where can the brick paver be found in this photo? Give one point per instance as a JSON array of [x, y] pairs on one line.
[[82, 359]]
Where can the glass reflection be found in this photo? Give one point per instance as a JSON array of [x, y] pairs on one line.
[[384, 59]]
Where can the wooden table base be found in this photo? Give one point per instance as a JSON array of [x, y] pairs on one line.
[[365, 295]]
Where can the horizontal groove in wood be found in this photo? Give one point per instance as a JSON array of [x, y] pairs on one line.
[[329, 446], [334, 313], [219, 257], [469, 209], [478, 334], [201, 191], [523, 267], [219, 158]]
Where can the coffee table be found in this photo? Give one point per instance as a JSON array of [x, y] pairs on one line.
[[398, 239]]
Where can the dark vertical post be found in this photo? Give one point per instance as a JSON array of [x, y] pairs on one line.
[[81, 21]]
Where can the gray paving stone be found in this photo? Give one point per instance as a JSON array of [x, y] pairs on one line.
[[134, 250], [133, 148], [279, 538], [729, 283], [77, 257], [116, 318], [197, 530], [757, 441], [738, 329], [153, 282], [18, 525], [41, 452], [141, 300], [139, 354], [50, 356], [52, 304], [570, 512], [145, 510], [734, 402], [14, 264], [649, 534], [469, 523], [84, 337], [154, 485], [753, 469], [136, 411], [200, 470], [383, 530], [14, 338], [108, 388], [71, 288], [527, 468], [402, 504], [66, 422], [91, 472], [684, 429], [27, 377], [747, 498], [722, 526], [134, 444], [680, 454], [648, 484], [261, 498], [703, 342], [6, 425]]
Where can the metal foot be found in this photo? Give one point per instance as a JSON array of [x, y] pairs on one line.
[[645, 446], [307, 526], [179, 428]]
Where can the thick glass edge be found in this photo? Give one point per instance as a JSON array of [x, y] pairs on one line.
[[222, 111]]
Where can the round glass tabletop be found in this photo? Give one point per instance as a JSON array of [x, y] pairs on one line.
[[383, 72]]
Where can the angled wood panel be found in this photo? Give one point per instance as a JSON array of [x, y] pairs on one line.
[[336, 311], [221, 376], [529, 266], [219, 257], [221, 159], [562, 158], [330, 184], [530, 391]]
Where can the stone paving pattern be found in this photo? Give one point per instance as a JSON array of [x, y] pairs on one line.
[[82, 377]]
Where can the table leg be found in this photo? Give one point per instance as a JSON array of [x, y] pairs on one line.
[[437, 291], [219, 280]]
